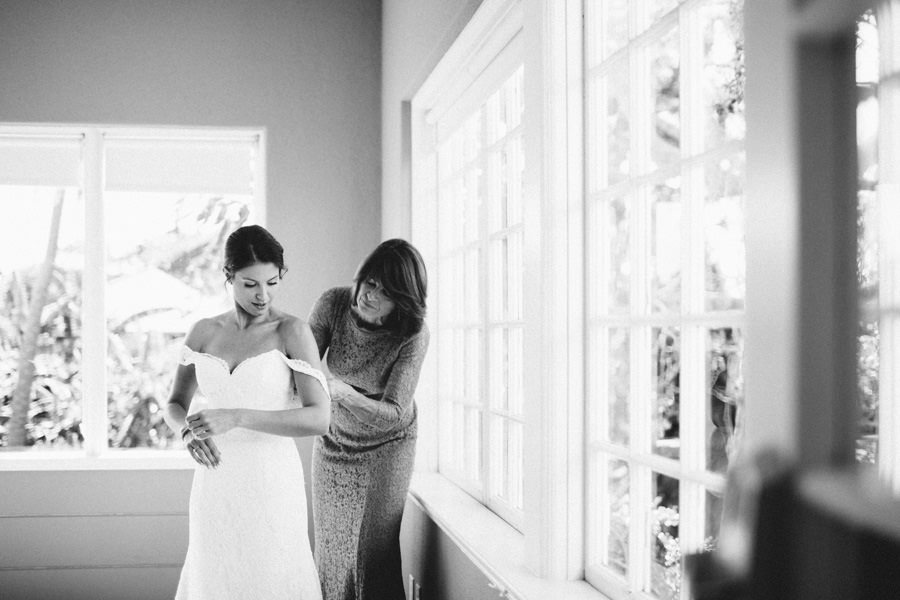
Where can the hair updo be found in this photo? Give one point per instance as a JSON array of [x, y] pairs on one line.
[[250, 245]]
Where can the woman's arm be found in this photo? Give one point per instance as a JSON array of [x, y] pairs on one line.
[[313, 418], [321, 318], [385, 414], [183, 389]]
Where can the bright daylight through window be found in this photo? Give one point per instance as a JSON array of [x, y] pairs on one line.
[[110, 247], [665, 283], [878, 219]]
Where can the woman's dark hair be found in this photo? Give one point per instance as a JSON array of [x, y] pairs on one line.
[[250, 245], [399, 267]]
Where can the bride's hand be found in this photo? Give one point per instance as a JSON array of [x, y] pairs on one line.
[[204, 452], [215, 421]]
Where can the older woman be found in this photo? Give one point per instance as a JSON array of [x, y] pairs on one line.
[[375, 337]]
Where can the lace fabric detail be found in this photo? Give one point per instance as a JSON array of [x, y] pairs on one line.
[[248, 517], [301, 366], [189, 356]]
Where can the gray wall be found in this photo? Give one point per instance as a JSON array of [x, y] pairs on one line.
[[307, 71], [416, 34], [436, 563]]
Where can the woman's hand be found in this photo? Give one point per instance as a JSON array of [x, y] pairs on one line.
[[203, 452], [215, 421], [340, 390]]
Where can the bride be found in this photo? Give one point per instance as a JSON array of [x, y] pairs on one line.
[[248, 524]]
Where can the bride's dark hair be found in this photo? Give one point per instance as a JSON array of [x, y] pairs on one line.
[[249, 245]]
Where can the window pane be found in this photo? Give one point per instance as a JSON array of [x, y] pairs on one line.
[[666, 232], [667, 369], [164, 273], [617, 133], [725, 351], [723, 71], [618, 223], [506, 461], [609, 513], [515, 277], [472, 366], [471, 449], [514, 473], [665, 139], [40, 359], [472, 305], [498, 456], [504, 278], [665, 560], [515, 372], [618, 483], [723, 224], [619, 385], [498, 359]]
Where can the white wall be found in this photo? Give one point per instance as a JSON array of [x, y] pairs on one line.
[[415, 36], [309, 72]]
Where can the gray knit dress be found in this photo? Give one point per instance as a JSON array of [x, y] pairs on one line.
[[361, 469]]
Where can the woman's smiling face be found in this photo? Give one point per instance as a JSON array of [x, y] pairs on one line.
[[372, 303], [254, 287]]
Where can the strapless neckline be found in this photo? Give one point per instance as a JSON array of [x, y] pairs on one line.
[[221, 361]]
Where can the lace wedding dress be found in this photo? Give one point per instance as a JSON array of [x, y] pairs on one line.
[[248, 525]]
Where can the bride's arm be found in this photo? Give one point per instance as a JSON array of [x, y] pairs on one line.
[[183, 389], [313, 418]]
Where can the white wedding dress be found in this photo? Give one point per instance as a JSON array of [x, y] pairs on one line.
[[248, 526]]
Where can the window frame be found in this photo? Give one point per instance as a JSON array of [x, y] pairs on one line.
[[790, 143], [552, 471], [95, 453], [487, 54], [693, 318]]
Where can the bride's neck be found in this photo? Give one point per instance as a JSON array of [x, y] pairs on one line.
[[245, 320]]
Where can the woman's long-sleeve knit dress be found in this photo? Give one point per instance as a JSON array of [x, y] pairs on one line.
[[361, 469]]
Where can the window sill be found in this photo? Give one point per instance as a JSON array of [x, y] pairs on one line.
[[78, 460], [492, 545]]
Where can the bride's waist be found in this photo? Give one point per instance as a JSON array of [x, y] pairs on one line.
[[249, 437]]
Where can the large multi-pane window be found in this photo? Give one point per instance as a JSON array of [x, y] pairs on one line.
[[480, 322], [664, 275], [110, 248], [878, 149], [867, 76], [468, 173], [652, 245]]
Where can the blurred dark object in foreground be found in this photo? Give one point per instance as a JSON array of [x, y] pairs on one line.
[[815, 535]]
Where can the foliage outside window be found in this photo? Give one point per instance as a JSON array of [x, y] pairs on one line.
[[665, 281], [867, 75], [145, 241]]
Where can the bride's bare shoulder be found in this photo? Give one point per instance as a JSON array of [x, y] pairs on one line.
[[205, 330], [292, 330]]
